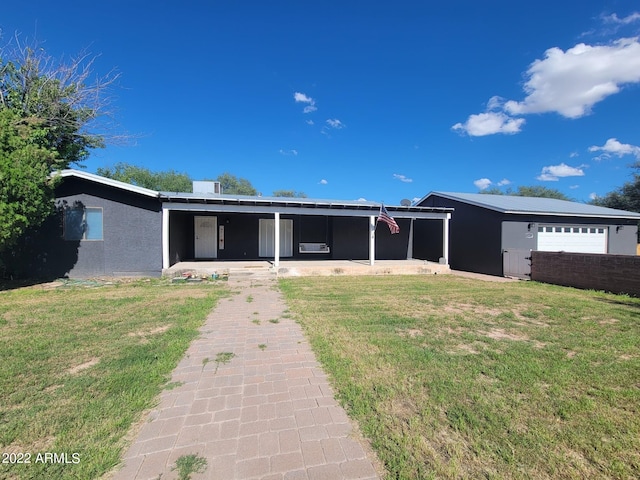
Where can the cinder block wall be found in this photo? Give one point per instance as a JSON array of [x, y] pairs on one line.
[[612, 273]]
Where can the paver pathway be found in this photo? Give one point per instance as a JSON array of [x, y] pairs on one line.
[[267, 413]]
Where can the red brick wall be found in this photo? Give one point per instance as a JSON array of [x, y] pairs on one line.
[[612, 273]]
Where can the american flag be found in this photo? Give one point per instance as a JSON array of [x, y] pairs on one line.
[[388, 219]]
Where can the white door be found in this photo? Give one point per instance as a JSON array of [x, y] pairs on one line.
[[266, 238], [572, 239], [206, 241]]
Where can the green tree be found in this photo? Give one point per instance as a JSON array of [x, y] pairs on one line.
[[532, 191], [626, 197], [233, 185], [47, 109], [289, 193], [167, 181]]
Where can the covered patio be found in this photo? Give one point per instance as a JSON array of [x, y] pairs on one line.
[[201, 227], [304, 268]]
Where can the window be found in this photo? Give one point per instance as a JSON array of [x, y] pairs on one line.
[[83, 223]]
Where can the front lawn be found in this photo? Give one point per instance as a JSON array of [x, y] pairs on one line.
[[457, 378], [80, 363]]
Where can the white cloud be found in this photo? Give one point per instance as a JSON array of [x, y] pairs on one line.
[[489, 123], [310, 122], [574, 155], [593, 195], [613, 18], [614, 147], [302, 98], [571, 82], [567, 82], [573, 187], [415, 200], [335, 123], [288, 152], [482, 183], [323, 182], [553, 173], [504, 182], [361, 199], [402, 178]]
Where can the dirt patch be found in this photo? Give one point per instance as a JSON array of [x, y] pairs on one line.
[[467, 349], [411, 333], [500, 334], [83, 366], [153, 331], [608, 321]]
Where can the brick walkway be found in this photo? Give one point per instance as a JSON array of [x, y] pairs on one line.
[[268, 413]]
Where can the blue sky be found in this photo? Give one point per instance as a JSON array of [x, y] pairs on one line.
[[373, 100]]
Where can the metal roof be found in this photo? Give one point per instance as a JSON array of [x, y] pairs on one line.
[[107, 181], [534, 205], [309, 205]]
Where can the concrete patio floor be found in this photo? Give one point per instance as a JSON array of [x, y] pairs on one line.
[[294, 268]]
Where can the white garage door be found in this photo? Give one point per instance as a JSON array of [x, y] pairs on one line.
[[572, 239]]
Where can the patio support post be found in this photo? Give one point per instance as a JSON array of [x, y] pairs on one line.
[[276, 246], [165, 238], [372, 240], [445, 238], [410, 242]]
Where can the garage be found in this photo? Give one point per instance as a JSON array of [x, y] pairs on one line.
[[495, 234], [554, 238]]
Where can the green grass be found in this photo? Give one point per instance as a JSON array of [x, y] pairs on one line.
[[188, 464], [79, 366], [458, 378]]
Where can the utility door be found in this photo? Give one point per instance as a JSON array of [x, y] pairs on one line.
[[516, 263], [266, 237], [206, 241]]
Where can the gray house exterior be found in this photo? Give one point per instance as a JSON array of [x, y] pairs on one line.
[[494, 234], [108, 228]]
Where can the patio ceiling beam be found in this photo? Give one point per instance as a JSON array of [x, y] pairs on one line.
[[440, 214]]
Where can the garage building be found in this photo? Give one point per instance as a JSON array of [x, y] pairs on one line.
[[494, 234]]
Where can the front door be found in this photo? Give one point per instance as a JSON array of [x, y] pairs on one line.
[[206, 242]]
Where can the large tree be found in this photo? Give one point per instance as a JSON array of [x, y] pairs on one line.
[[236, 186], [289, 193], [46, 112], [167, 181], [626, 197], [532, 191]]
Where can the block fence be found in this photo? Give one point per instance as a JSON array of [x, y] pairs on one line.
[[612, 273]]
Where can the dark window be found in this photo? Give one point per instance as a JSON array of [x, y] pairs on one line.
[[83, 223]]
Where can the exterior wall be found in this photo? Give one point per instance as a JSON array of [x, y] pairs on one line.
[[350, 238], [347, 237], [613, 273], [427, 240], [132, 236], [474, 236]]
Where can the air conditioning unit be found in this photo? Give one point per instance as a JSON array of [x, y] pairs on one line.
[[207, 187]]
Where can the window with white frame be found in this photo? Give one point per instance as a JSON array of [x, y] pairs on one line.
[[83, 223]]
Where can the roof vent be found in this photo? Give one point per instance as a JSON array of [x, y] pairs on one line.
[[208, 187]]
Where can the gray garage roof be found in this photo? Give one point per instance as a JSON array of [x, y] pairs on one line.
[[533, 205]]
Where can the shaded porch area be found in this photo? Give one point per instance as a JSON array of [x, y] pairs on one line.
[[300, 268]]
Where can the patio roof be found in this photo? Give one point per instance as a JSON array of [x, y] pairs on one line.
[[302, 206]]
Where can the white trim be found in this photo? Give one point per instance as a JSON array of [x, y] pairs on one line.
[[445, 239], [107, 181], [276, 239], [372, 240], [165, 239]]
